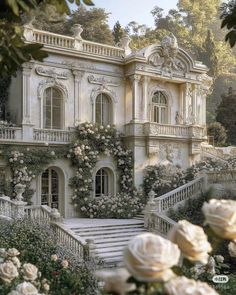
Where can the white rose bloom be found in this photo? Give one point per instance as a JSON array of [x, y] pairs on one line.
[[65, 264], [149, 257], [191, 240], [30, 272], [115, 280], [185, 286], [16, 262], [54, 257], [221, 217], [3, 252], [232, 249], [8, 272], [26, 288], [13, 252]]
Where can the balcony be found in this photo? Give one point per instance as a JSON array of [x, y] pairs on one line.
[[156, 130], [35, 135]]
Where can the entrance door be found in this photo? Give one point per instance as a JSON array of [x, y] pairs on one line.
[[50, 188]]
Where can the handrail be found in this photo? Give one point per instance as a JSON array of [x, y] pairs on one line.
[[179, 194], [158, 223]]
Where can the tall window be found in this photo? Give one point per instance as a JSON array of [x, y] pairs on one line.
[[50, 188], [102, 182], [159, 108], [52, 108], [103, 110]]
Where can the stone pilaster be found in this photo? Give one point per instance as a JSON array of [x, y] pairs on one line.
[[144, 106], [78, 75], [135, 97]]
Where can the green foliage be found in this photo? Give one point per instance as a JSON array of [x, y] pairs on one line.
[[218, 132], [94, 22], [13, 50], [36, 243], [34, 240], [26, 163], [117, 32], [162, 179], [226, 114], [228, 16]]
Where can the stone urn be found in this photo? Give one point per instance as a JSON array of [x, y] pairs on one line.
[[19, 189], [77, 31]]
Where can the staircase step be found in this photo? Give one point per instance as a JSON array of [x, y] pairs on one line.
[[111, 255], [112, 240], [108, 227], [110, 249], [104, 237], [104, 232], [112, 244]]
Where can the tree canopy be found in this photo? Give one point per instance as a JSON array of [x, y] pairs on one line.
[[13, 50]]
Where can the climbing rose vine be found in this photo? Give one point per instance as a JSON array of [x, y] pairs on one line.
[[93, 142]]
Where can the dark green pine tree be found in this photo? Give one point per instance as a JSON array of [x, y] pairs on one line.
[[117, 32], [226, 114], [207, 54]]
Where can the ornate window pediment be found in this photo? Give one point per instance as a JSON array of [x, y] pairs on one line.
[[44, 84]]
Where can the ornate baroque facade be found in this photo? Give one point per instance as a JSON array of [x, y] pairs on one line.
[[155, 96]]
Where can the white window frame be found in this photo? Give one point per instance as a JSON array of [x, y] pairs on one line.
[[158, 108]]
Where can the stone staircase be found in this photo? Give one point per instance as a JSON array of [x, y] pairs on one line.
[[110, 236]]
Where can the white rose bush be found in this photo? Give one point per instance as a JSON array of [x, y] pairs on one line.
[[93, 141]]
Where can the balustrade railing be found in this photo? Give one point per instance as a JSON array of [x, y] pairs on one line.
[[222, 176], [158, 223], [7, 208], [52, 135], [57, 40], [182, 193], [9, 133]]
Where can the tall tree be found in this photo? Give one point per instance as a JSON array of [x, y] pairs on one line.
[[94, 22], [118, 32], [226, 114], [13, 50], [228, 16]]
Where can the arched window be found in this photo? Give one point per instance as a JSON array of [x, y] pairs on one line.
[[103, 111], [50, 188], [159, 108], [103, 182], [52, 108]]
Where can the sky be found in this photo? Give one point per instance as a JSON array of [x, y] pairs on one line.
[[133, 10]]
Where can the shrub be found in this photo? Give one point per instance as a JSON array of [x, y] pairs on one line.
[[218, 132]]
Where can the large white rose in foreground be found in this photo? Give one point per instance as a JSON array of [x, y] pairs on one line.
[[221, 217], [8, 271], [191, 240], [149, 257], [26, 289], [185, 286], [30, 272]]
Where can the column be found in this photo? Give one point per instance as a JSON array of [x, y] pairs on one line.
[[185, 102], [144, 108], [78, 75], [27, 126], [26, 115], [135, 98]]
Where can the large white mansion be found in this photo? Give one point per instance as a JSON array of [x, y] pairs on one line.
[[155, 96]]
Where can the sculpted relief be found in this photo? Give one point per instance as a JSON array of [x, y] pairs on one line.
[[170, 153], [165, 58]]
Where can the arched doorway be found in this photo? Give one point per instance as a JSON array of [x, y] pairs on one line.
[[50, 188]]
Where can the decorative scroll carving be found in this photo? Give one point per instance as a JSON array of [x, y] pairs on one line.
[[166, 57], [51, 83], [102, 81], [51, 73]]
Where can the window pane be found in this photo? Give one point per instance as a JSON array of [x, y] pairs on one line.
[[101, 183], [103, 109]]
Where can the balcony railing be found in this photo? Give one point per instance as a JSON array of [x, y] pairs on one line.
[[166, 130], [52, 135], [10, 133], [57, 40]]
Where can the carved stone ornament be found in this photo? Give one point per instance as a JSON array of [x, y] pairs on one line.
[[166, 57], [102, 81], [77, 31], [44, 84], [51, 73], [103, 89], [170, 153]]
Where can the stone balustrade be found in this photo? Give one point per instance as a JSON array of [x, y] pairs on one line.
[[10, 133], [74, 43], [158, 223], [52, 135], [164, 130], [223, 176], [182, 193]]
